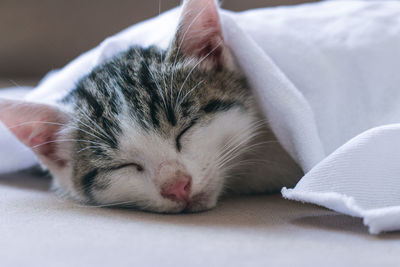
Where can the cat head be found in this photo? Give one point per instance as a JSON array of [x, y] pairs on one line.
[[153, 129]]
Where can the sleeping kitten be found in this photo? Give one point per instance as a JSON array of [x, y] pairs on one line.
[[164, 131]]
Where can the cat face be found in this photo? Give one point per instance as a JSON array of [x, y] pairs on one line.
[[153, 129], [158, 147]]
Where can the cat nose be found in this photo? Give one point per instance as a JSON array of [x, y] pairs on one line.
[[178, 190]]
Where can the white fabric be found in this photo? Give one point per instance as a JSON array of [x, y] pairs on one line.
[[327, 75]]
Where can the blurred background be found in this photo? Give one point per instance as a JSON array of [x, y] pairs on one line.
[[37, 36]]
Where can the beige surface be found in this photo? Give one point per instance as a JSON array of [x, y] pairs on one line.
[[37, 229]]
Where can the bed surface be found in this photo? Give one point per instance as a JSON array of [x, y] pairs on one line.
[[37, 229]]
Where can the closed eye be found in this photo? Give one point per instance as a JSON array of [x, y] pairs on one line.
[[179, 136], [139, 167]]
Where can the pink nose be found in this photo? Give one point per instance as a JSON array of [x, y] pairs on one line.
[[179, 190]]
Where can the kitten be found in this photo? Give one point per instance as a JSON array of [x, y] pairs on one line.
[[164, 131]]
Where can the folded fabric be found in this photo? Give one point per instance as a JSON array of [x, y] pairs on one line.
[[327, 78]]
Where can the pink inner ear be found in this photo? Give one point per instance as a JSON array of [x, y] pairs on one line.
[[43, 141], [35, 125], [200, 31]]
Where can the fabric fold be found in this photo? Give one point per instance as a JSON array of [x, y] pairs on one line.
[[361, 178]]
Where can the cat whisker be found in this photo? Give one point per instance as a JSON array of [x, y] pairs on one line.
[[193, 68], [228, 152], [64, 140], [239, 152], [34, 122], [190, 91], [103, 132], [62, 196], [232, 153], [223, 152], [180, 45], [116, 204], [55, 123], [88, 147], [239, 137], [255, 126]]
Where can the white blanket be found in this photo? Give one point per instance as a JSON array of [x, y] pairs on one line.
[[328, 78]]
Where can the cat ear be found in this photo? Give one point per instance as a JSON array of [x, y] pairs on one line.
[[199, 34], [37, 126]]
